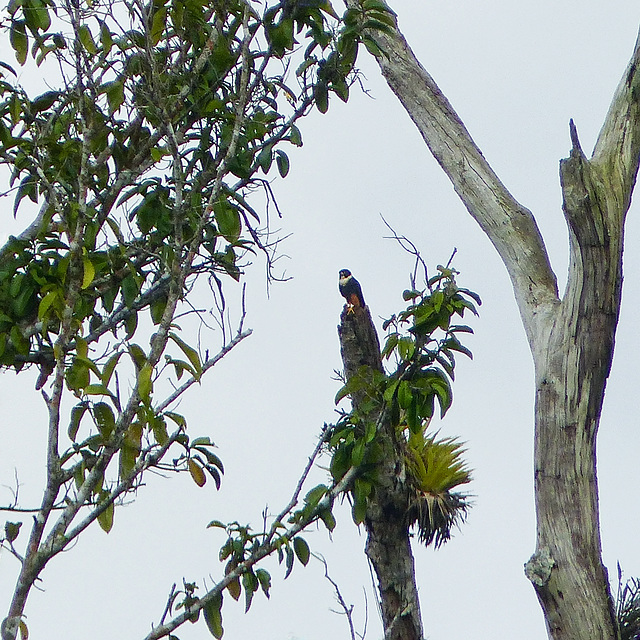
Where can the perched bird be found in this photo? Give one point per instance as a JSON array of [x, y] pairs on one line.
[[351, 290]]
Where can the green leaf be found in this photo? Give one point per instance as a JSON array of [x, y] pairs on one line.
[[131, 324], [321, 96], [282, 161], [471, 294], [158, 25], [453, 344], [390, 345], [106, 38], [302, 550], [128, 457], [390, 391], [105, 519], [159, 428], [145, 384], [47, 301], [361, 489], [406, 348], [265, 158], [105, 420], [77, 375], [197, 473], [341, 89], [96, 390], [130, 289], [372, 46], [138, 356], [157, 309], [89, 272], [264, 578], [410, 294], [404, 394], [328, 519], [180, 367], [315, 495], [28, 187], [15, 109], [191, 354], [109, 368], [213, 615], [212, 458], [359, 511], [250, 584], [12, 530], [76, 416], [86, 39], [342, 393], [177, 418], [228, 220], [295, 137], [289, 560], [357, 455], [115, 94], [370, 432], [19, 40]]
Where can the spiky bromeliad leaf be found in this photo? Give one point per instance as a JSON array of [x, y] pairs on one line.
[[628, 607], [435, 468]]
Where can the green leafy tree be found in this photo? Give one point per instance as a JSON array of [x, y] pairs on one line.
[[150, 163]]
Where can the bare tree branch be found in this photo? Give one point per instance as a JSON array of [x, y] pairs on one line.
[[617, 150]]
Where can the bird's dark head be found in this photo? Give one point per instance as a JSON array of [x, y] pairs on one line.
[[344, 273]]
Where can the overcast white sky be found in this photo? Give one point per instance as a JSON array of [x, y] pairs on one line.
[[516, 73]]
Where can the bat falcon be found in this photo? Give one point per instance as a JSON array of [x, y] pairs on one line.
[[351, 290]]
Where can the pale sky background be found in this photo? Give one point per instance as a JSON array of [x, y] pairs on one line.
[[516, 73]]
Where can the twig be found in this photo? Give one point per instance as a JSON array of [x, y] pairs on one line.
[[240, 336], [170, 599], [411, 249], [294, 498], [346, 610]]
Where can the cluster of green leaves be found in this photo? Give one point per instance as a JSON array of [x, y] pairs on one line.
[[425, 351], [141, 164], [422, 340], [311, 508], [240, 551], [435, 468]]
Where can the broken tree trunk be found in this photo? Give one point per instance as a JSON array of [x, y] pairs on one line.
[[388, 546]]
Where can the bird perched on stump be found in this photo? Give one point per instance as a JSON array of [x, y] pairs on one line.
[[351, 290]]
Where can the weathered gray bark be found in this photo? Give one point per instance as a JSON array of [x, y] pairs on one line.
[[388, 546], [571, 337]]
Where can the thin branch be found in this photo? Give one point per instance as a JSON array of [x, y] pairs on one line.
[[411, 249], [240, 336], [296, 493], [170, 600], [346, 610], [268, 547]]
